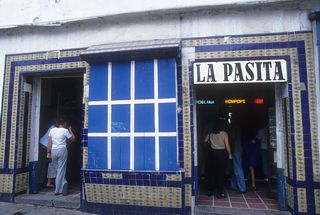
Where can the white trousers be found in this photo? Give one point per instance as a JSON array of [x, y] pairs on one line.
[[60, 157]]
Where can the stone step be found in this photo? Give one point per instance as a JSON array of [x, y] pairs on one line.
[[70, 202]]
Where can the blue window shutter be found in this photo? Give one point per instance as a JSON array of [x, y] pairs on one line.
[[97, 152], [167, 78], [98, 82], [121, 79], [144, 79]]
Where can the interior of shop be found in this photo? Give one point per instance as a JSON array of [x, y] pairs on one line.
[[61, 97], [250, 107]]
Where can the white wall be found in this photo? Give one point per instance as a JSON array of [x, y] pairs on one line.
[[18, 12], [119, 29]]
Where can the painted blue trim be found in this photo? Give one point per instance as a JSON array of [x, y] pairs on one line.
[[282, 196], [33, 177], [249, 46]]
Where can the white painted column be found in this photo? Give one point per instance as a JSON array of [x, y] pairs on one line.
[[35, 118]]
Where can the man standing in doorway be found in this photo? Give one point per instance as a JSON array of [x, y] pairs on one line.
[[57, 151], [237, 180]]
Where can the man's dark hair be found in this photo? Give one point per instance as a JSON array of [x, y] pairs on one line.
[[61, 121]]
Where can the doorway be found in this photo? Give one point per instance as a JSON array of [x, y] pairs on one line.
[[253, 106], [58, 97]]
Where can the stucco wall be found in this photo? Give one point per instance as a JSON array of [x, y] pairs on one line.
[[39, 11]]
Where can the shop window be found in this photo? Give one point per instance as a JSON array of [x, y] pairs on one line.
[[133, 123]]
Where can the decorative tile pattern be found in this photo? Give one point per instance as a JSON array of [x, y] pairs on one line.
[[186, 121], [6, 183], [85, 157], [112, 175], [302, 200], [134, 195], [22, 182], [303, 153], [16, 114], [188, 196], [317, 200], [176, 177]]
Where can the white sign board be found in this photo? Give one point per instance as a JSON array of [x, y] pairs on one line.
[[249, 71]]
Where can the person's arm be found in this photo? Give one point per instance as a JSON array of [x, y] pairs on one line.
[[207, 138], [49, 147], [226, 143], [72, 138]]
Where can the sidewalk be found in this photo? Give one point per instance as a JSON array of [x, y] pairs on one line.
[[26, 209]]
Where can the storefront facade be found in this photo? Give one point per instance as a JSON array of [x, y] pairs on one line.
[[138, 141]]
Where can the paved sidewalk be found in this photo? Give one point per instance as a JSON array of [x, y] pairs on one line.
[[27, 209]]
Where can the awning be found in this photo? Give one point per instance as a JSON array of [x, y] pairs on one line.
[[132, 50]]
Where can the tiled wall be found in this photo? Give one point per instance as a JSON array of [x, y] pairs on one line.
[[296, 48], [168, 192], [16, 113]]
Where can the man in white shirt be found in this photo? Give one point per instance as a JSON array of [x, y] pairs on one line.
[[57, 151]]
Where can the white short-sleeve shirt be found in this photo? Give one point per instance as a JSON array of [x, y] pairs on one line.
[[59, 137]]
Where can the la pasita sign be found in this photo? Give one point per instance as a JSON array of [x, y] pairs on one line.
[[240, 71]]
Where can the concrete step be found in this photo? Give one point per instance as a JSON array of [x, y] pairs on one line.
[[70, 202]]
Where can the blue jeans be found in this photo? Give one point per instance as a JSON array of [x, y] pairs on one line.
[[237, 180]]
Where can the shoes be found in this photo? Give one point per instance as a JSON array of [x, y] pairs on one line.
[[58, 194], [50, 186], [221, 195], [253, 189], [65, 188]]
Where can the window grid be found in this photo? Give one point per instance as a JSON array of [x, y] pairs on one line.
[[132, 117], [132, 134], [109, 113]]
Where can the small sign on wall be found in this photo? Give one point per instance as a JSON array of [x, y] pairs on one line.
[[249, 71]]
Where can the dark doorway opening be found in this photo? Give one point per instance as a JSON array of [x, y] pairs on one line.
[[61, 97], [253, 105]]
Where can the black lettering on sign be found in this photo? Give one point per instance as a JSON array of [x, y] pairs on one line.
[[250, 75], [267, 65], [211, 77], [227, 71], [238, 72], [278, 71], [258, 64], [198, 74]]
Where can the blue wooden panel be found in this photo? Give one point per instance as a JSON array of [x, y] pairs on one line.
[[120, 118], [144, 153], [120, 153], [121, 78], [98, 82], [168, 153], [98, 118], [167, 117], [97, 152], [166, 78], [144, 118], [144, 80]]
